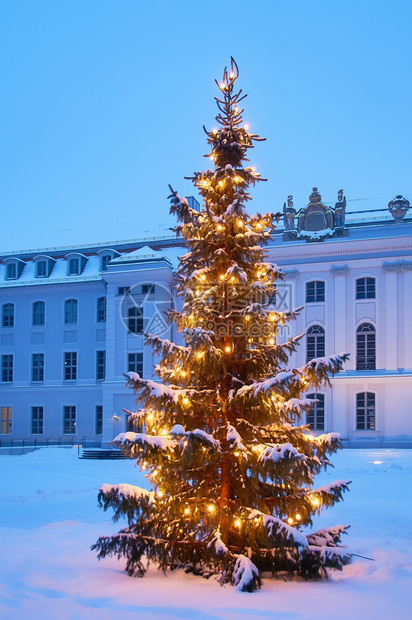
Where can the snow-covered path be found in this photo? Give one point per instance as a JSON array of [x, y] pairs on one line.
[[49, 519]]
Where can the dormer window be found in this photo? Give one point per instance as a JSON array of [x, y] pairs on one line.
[[14, 268], [43, 266], [41, 269], [11, 271], [106, 256], [75, 263]]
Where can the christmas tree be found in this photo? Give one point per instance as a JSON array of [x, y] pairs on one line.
[[231, 466]]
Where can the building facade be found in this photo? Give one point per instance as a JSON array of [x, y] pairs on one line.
[[72, 323]]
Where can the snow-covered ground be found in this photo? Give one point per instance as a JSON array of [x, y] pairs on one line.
[[49, 519]]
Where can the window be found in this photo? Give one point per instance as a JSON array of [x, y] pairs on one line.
[[315, 342], [7, 368], [135, 363], [69, 420], [11, 271], [101, 310], [148, 289], [70, 366], [366, 347], [6, 420], [37, 367], [8, 315], [74, 265], [37, 420], [99, 419], [123, 290], [100, 365], [315, 291], [41, 269], [70, 311], [39, 308], [365, 288], [134, 425], [316, 417], [365, 411], [105, 261], [135, 320]]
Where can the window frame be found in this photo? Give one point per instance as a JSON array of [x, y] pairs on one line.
[[8, 315], [98, 419], [6, 422], [367, 425], [132, 365], [40, 368], [100, 365], [8, 268], [39, 421], [7, 370], [70, 368], [68, 312], [41, 314], [71, 420], [365, 360], [135, 321], [318, 411], [317, 341], [101, 309], [363, 295], [316, 293]]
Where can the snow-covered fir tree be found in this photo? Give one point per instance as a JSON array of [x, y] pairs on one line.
[[231, 466]]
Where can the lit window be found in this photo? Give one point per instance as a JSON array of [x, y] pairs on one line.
[[37, 420], [366, 347], [70, 366], [101, 310], [316, 417], [365, 288], [365, 411], [135, 363], [69, 420], [100, 365], [37, 367], [7, 368], [8, 315], [39, 308], [6, 420], [315, 342], [70, 311], [135, 320], [315, 291]]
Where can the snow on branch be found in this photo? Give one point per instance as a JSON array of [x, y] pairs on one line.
[[126, 491], [277, 529], [201, 437], [216, 543], [328, 537], [125, 440], [245, 575], [234, 438], [279, 452]]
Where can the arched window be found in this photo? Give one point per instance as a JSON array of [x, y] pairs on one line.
[[8, 315], [366, 347], [70, 311], [39, 312], [316, 416], [365, 288], [315, 291], [315, 342], [365, 411]]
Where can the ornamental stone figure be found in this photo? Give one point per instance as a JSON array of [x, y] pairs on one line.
[[340, 210], [316, 216], [398, 208], [289, 213]]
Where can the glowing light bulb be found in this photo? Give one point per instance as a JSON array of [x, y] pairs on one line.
[[271, 341], [187, 511], [240, 223], [310, 437], [186, 401], [164, 431], [150, 417], [237, 523], [219, 227], [198, 293], [223, 86], [191, 317], [290, 520], [250, 340], [214, 131], [184, 373], [211, 508], [259, 273], [315, 501], [253, 168], [254, 448], [199, 355], [228, 349], [221, 183], [204, 183], [237, 179], [298, 517], [160, 494], [231, 75], [203, 277], [232, 279], [222, 277], [237, 453], [272, 317], [246, 126]]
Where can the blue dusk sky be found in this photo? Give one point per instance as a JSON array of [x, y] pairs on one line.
[[102, 106]]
